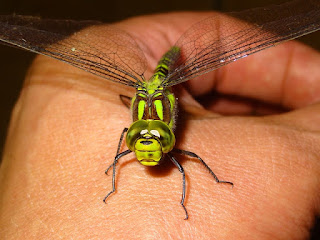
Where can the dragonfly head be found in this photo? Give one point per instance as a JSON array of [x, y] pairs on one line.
[[150, 139]]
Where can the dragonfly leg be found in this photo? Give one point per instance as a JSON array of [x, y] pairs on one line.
[[120, 155], [178, 165], [118, 149], [126, 100], [191, 154], [113, 165]]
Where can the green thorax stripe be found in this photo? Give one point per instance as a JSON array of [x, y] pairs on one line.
[[154, 105]]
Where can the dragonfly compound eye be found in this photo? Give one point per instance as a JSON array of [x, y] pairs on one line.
[[150, 139], [166, 136]]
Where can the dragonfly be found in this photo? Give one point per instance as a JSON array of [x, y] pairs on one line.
[[118, 58]]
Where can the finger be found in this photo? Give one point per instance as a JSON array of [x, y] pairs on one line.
[[287, 75]]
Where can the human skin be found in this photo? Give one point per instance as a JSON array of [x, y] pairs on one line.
[[65, 129]]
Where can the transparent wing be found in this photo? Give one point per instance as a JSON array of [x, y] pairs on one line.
[[101, 50], [222, 39]]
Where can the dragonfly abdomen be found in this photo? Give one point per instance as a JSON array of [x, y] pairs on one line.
[[166, 62]]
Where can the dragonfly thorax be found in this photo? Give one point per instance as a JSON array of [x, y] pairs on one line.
[[151, 134], [153, 104]]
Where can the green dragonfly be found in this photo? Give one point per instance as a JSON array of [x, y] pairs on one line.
[[199, 50]]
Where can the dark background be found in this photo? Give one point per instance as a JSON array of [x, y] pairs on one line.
[[14, 62]]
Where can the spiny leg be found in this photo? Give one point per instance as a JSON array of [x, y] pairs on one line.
[[117, 157], [118, 149], [120, 155], [191, 154], [177, 164]]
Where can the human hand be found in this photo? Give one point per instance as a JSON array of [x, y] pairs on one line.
[[64, 133]]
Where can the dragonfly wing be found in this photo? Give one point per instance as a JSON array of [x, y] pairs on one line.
[[101, 49], [222, 39]]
